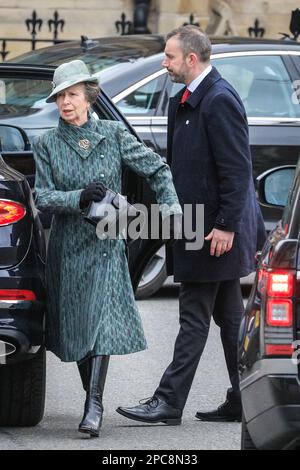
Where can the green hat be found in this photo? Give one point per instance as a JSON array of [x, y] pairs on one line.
[[69, 74]]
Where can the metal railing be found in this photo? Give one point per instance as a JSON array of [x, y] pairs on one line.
[[34, 26]]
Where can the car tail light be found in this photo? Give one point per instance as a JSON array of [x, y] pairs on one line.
[[10, 212], [280, 284], [17, 294], [279, 312], [279, 349], [278, 330]]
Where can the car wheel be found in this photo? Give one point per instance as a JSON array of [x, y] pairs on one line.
[[22, 391], [154, 275], [246, 441]]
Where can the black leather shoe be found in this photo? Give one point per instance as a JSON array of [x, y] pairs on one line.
[[154, 410], [227, 412]]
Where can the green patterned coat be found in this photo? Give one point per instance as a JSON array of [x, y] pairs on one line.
[[90, 302]]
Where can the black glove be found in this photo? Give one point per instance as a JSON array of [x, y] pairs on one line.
[[175, 223], [93, 192]]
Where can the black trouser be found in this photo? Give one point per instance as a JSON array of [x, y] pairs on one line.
[[197, 303]]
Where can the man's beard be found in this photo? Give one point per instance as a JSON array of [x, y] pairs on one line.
[[177, 78]]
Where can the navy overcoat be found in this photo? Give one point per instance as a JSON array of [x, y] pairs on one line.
[[209, 155]]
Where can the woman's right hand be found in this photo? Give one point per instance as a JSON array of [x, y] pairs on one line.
[[93, 192]]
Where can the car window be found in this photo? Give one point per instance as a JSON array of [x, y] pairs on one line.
[[23, 92], [263, 84], [176, 87], [23, 104], [144, 100]]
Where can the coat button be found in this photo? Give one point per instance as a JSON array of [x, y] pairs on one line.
[[104, 254], [102, 175], [101, 156]]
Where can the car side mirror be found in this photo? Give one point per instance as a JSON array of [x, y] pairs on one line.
[[13, 139], [274, 185]]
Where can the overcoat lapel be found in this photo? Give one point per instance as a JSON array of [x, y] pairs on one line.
[[197, 96], [193, 100]]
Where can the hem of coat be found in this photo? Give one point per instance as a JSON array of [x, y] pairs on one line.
[[97, 353]]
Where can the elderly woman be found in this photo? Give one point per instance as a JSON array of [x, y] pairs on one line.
[[91, 310]]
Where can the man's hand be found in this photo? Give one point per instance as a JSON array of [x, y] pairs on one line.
[[221, 241]]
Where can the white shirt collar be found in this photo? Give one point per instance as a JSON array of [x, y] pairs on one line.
[[196, 82]]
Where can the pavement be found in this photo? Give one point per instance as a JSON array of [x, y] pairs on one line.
[[130, 379]]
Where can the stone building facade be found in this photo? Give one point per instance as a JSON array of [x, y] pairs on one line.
[[96, 18]]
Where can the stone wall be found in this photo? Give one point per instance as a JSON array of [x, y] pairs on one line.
[[274, 15], [96, 18], [173, 13], [93, 18]]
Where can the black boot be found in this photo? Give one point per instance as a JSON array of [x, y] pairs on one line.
[[84, 371], [93, 408]]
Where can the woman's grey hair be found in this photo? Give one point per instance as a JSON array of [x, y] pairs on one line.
[[91, 91], [192, 39]]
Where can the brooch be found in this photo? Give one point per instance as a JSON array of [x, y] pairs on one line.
[[84, 143]]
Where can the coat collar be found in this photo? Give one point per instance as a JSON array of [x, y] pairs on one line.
[[82, 139], [195, 98]]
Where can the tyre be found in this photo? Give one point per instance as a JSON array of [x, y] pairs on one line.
[[22, 391], [246, 441], [154, 275]]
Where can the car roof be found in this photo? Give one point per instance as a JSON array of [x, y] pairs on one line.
[[133, 55], [133, 47], [121, 48]]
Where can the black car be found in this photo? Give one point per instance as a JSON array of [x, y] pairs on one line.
[[263, 72], [270, 329], [22, 291]]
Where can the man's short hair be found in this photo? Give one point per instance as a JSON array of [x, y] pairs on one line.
[[192, 39]]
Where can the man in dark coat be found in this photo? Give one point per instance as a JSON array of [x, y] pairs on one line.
[[208, 150]]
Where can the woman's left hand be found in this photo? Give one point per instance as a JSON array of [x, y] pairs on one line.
[[93, 192]]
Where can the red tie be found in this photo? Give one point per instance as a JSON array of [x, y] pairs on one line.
[[185, 95]]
